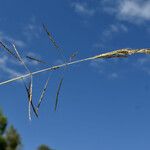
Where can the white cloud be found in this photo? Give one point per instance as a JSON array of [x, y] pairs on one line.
[[101, 67], [9, 67], [58, 62], [4, 60], [134, 11], [32, 29], [142, 64], [113, 75], [114, 28], [143, 60], [98, 65], [11, 72], [83, 9], [108, 33], [10, 39]]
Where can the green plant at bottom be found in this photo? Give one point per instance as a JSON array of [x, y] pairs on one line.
[[10, 138]]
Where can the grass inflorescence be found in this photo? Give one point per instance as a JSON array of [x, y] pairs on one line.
[[120, 53]]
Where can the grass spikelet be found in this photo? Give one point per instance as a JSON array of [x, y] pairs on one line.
[[30, 102], [32, 105], [73, 55], [35, 59], [60, 50], [43, 93], [50, 37], [30, 97], [28, 89], [57, 94], [8, 50], [20, 59]]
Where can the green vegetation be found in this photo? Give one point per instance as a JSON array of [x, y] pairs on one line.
[[44, 147], [10, 138]]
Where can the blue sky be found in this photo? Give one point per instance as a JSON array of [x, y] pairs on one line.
[[103, 104]]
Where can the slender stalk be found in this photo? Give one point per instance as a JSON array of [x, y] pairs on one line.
[[114, 54], [43, 70], [29, 91]]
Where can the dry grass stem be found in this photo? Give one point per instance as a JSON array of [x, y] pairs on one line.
[[29, 89], [114, 54]]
